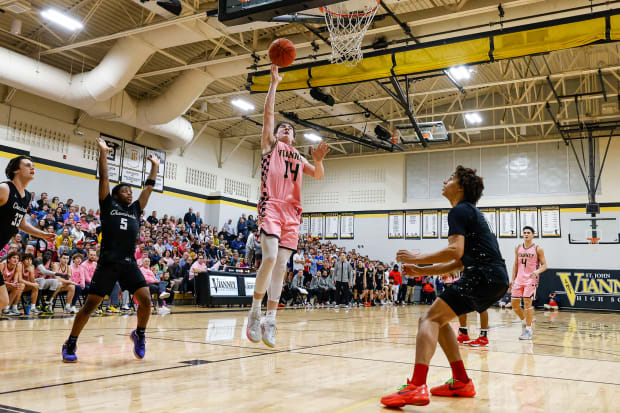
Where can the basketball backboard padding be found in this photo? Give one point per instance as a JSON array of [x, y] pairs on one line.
[[234, 12]]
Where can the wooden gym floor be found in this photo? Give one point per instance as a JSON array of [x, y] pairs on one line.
[[326, 360]]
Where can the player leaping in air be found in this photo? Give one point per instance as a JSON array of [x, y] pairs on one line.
[[120, 223], [279, 207]]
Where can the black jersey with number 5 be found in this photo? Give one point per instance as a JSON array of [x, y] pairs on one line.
[[12, 213], [119, 230]]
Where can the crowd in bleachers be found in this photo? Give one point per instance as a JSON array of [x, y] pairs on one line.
[[171, 251]]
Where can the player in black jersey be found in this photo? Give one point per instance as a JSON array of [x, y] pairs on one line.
[[473, 248], [120, 223], [14, 203]]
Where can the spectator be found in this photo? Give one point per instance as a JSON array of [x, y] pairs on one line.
[[343, 276], [238, 244], [34, 204], [251, 223], [63, 275], [29, 281], [157, 289], [11, 270], [242, 228], [152, 219], [298, 262], [189, 217], [43, 200], [65, 235], [77, 276], [199, 220], [395, 281], [229, 231]]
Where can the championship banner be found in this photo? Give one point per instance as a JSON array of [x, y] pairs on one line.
[[581, 289]]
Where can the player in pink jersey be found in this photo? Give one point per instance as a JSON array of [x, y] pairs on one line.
[[530, 262], [279, 209]]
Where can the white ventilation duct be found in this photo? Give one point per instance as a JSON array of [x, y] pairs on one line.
[[100, 92]]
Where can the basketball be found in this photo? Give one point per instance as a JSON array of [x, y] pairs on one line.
[[282, 52]]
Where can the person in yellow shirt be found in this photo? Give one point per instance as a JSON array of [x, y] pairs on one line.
[[64, 234]]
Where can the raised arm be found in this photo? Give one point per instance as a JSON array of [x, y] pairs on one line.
[[268, 139], [150, 182], [316, 171], [104, 183], [454, 251]]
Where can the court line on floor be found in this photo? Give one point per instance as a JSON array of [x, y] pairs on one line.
[[468, 368], [172, 367]]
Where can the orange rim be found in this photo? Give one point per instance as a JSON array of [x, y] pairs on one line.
[[326, 10]]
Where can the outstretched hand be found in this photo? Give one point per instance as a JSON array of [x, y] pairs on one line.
[[413, 270], [320, 152], [275, 77], [103, 146], [154, 160], [406, 257]]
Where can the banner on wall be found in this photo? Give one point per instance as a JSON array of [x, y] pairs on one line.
[[550, 222], [490, 215], [528, 216], [115, 158], [347, 226], [430, 226], [581, 289], [395, 225], [161, 172], [331, 225], [445, 228], [508, 222], [316, 226], [304, 228], [132, 171], [412, 224]]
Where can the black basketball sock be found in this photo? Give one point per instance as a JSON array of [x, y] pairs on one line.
[[72, 341], [463, 330], [483, 333], [140, 332]]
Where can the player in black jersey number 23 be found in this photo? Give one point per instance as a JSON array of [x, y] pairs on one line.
[[14, 202], [119, 231]]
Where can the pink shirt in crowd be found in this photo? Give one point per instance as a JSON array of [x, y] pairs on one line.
[[197, 268], [88, 270], [149, 277], [138, 254], [77, 275]]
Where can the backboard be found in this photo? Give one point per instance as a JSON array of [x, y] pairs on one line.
[[593, 231], [234, 12], [432, 132]]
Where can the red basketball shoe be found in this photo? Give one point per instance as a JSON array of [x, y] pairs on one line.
[[463, 338], [455, 388], [408, 394], [479, 342]]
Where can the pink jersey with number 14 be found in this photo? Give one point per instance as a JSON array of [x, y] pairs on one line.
[[281, 175]]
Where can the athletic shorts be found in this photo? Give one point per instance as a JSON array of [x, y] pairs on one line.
[[359, 288], [47, 283], [281, 220], [107, 274], [474, 291], [524, 289]]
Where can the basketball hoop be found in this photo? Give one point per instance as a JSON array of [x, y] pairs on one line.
[[347, 23], [593, 240]]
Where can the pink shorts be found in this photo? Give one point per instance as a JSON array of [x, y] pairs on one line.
[[281, 220], [524, 290]]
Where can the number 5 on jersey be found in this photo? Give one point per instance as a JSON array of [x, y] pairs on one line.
[[124, 223]]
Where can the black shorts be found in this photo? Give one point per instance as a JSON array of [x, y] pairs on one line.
[[359, 288], [1, 280], [474, 291], [107, 274]]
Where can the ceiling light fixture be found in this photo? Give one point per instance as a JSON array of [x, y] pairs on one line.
[[473, 118], [62, 19], [242, 104], [460, 72], [313, 137]]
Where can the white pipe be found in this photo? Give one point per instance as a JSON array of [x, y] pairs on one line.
[[178, 98], [100, 92]]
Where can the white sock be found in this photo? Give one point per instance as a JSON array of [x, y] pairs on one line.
[[271, 315], [14, 307], [528, 328], [32, 306], [256, 305]]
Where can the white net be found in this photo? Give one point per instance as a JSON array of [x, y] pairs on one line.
[[347, 23]]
